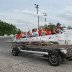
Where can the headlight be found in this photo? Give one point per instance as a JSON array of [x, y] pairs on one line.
[[64, 51]]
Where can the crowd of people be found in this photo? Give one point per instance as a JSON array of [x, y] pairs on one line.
[[40, 32]]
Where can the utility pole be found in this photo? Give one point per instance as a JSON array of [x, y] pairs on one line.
[[45, 14], [37, 7]]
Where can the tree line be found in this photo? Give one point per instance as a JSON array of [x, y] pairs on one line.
[[6, 28]]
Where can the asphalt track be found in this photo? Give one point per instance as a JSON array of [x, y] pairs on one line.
[[26, 62]]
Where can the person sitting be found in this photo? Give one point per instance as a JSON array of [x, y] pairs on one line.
[[29, 34], [23, 34], [35, 32], [42, 31], [58, 28], [18, 35], [48, 30], [54, 31]]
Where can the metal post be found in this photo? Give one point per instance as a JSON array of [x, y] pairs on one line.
[[45, 14], [37, 7]]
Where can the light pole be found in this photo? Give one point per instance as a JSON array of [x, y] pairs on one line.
[[45, 14], [37, 7]]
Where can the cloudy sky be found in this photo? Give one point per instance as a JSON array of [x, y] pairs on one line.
[[22, 13]]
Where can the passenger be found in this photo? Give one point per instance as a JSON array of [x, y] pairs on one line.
[[58, 31], [54, 31], [23, 34], [58, 25], [35, 32], [44, 32], [40, 31], [49, 32], [18, 35], [29, 34], [58, 28]]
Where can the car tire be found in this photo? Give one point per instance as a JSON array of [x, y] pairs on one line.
[[15, 51], [54, 59]]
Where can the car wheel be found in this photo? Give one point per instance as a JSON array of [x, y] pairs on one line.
[[54, 59], [15, 51]]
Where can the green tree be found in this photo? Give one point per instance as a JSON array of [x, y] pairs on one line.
[[6, 28], [51, 26]]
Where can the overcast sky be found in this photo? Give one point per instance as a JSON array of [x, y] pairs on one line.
[[22, 13]]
